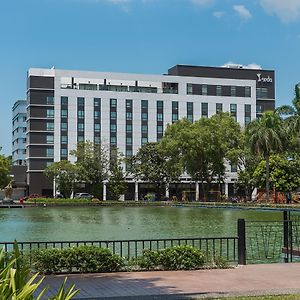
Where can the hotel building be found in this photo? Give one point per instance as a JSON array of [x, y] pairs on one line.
[[129, 110]]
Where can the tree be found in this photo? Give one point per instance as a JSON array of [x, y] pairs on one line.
[[5, 169], [266, 136], [151, 164], [94, 162], [65, 175], [117, 185]]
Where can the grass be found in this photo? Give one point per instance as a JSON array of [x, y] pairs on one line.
[[276, 297]]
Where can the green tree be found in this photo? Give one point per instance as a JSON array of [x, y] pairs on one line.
[[117, 185], [284, 173], [151, 164], [266, 136], [65, 175], [93, 160], [5, 169]]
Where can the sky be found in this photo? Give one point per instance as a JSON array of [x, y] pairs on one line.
[[144, 36]]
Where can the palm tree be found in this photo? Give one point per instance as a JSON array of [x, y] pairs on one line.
[[265, 136]]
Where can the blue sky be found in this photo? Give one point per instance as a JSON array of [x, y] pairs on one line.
[[144, 36]]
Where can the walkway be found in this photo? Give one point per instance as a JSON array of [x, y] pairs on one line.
[[244, 280]]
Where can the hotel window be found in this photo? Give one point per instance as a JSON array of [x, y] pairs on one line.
[[49, 152], [50, 100], [64, 100], [24, 119], [64, 126], [247, 114], [189, 89], [144, 116], [64, 152], [49, 163], [129, 115], [160, 129], [233, 91], [129, 103], [49, 126], [80, 114], [113, 102], [113, 115], [80, 101], [144, 128], [233, 111], [113, 127], [144, 104], [219, 90], [160, 117], [262, 93], [233, 168], [97, 127], [219, 108], [190, 111], [50, 139], [204, 89], [64, 113], [80, 138], [96, 114], [97, 140], [144, 141], [113, 140], [247, 91], [174, 118], [174, 111], [160, 104], [129, 141], [64, 139], [259, 109], [128, 153], [97, 102], [128, 128], [50, 113], [204, 110], [80, 127]]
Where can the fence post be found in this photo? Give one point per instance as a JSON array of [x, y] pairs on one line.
[[286, 236], [241, 230]]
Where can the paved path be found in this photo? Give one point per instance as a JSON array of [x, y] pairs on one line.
[[243, 280]]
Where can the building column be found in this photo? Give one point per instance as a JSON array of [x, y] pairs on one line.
[[104, 190], [136, 191], [197, 191], [226, 190], [167, 191]]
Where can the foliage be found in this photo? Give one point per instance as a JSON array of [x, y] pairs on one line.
[[93, 159], [175, 258], [5, 168], [117, 185], [65, 175], [76, 259], [152, 164], [284, 173], [16, 283]]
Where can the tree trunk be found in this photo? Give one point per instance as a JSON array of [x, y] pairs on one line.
[[267, 178]]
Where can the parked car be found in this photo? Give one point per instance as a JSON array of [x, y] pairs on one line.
[[59, 195], [83, 195]]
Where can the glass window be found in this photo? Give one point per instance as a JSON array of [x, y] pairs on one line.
[[160, 117], [24, 128], [248, 108], [128, 116], [113, 115], [50, 100], [49, 126], [80, 114], [96, 127], [233, 108], [190, 118], [97, 140], [80, 126], [219, 90], [64, 126], [128, 140], [233, 91], [144, 103], [204, 89], [96, 114], [24, 140], [144, 116], [24, 119], [24, 151], [113, 140], [259, 108], [174, 117], [80, 101], [129, 103], [64, 100], [128, 153], [113, 102], [97, 102], [80, 138], [49, 152], [247, 120], [174, 105], [247, 91], [144, 128], [63, 139], [233, 168], [49, 163], [219, 108], [189, 88], [160, 104], [144, 141], [128, 128], [50, 139], [64, 152], [50, 113], [204, 110], [160, 129], [64, 113], [113, 127]]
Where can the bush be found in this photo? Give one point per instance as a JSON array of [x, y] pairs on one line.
[[176, 258], [82, 259]]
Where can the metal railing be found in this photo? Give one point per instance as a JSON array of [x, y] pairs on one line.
[[213, 247]]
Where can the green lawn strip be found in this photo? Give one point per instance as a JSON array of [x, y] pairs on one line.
[[270, 297]]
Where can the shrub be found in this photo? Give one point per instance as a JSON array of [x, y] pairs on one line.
[[76, 259]]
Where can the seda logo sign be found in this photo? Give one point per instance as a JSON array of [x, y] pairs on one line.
[[264, 79]]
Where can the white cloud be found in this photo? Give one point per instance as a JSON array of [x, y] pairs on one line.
[[218, 14], [286, 10], [242, 11], [202, 2]]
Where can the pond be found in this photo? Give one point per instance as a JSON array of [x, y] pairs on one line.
[[118, 222]]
